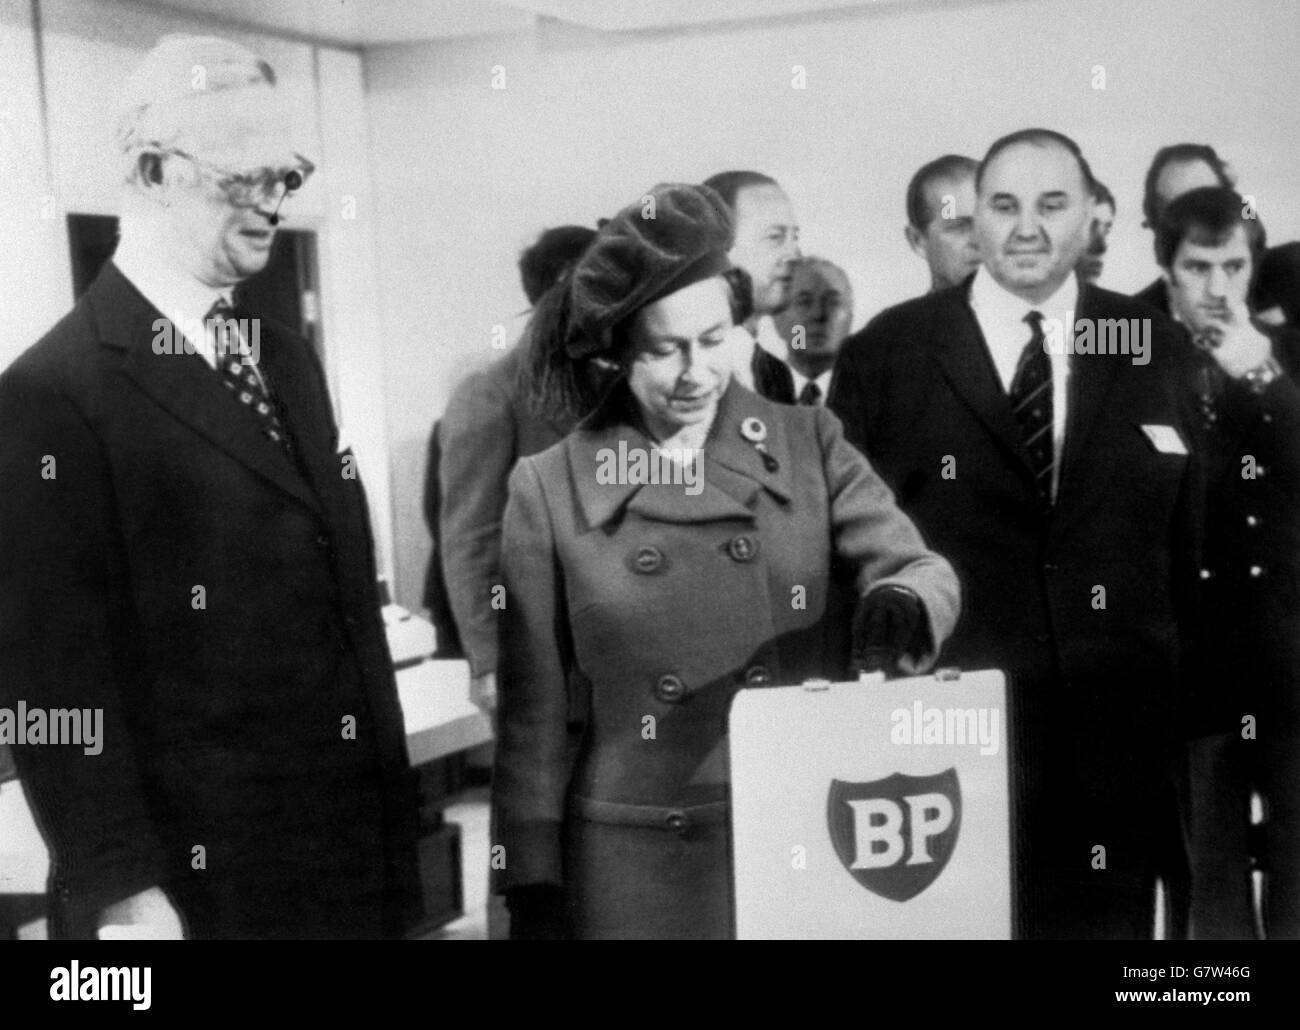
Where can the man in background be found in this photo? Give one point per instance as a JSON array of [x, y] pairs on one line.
[[940, 219], [1241, 710], [188, 551], [814, 325], [1180, 167], [1063, 488], [487, 426], [1103, 220], [766, 248]]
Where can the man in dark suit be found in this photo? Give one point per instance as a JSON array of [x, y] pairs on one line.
[[1062, 484], [489, 424], [766, 249], [188, 551], [814, 326]]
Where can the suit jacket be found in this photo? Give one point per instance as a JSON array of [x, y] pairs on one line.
[[487, 427], [217, 600], [666, 603], [437, 596], [772, 377], [1092, 675]]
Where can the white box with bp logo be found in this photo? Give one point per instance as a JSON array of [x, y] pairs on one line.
[[872, 809]]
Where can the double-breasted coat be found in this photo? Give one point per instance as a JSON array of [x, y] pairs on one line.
[[168, 564], [666, 603]]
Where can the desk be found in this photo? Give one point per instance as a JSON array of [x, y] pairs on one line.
[[440, 719]]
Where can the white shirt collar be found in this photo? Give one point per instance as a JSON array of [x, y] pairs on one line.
[[823, 382], [767, 336], [994, 302], [178, 295]]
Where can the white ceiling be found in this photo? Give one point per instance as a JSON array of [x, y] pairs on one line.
[[375, 22]]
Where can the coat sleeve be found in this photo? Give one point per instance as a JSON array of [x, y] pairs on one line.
[[878, 542], [532, 761], [65, 618], [478, 449]]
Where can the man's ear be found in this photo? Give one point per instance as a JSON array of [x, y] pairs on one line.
[[916, 240]]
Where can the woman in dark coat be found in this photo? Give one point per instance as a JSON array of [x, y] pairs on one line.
[[688, 540]]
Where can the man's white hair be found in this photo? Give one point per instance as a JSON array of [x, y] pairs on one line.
[[180, 86]]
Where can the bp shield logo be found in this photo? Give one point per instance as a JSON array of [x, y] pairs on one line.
[[895, 835]]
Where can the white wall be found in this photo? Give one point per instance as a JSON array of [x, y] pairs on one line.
[[34, 264], [466, 175], [86, 51]]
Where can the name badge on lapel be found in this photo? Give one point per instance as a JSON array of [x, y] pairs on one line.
[[1164, 439]]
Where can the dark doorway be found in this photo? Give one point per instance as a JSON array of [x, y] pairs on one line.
[[286, 290]]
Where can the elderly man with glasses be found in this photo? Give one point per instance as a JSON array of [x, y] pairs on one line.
[[188, 554]]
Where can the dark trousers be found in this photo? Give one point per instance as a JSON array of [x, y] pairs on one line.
[[1223, 770]]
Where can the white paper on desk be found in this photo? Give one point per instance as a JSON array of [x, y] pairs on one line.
[[137, 932]]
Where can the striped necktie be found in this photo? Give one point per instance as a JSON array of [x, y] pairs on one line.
[[1031, 400]]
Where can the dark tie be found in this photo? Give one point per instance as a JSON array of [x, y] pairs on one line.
[[810, 394], [1031, 400], [241, 376]]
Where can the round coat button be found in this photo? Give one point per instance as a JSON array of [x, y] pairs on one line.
[[1206, 574], [743, 548], [670, 688], [677, 822], [1256, 571], [647, 559], [1252, 521], [758, 676]]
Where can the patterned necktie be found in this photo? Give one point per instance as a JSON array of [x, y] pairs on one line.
[[241, 376], [1031, 400], [811, 394]]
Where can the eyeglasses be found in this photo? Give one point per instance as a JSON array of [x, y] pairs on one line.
[[249, 189]]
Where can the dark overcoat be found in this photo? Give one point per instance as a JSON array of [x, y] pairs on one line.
[[167, 563], [666, 603]]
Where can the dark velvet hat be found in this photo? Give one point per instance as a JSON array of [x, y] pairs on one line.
[[675, 235]]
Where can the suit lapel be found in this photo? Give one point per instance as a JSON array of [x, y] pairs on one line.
[[1090, 381], [185, 386], [963, 356], [302, 395]]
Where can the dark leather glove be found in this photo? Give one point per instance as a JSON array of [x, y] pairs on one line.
[[537, 913], [890, 622]]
